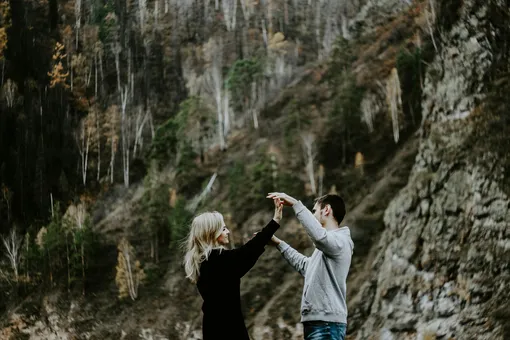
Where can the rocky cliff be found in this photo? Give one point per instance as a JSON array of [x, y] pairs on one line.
[[439, 271]]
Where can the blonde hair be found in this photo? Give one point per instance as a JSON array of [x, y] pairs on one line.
[[202, 239]]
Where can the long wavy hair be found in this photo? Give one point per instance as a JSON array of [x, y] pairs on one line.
[[202, 239]]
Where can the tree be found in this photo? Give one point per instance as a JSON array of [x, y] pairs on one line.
[[393, 98], [369, 110], [76, 221], [86, 139], [359, 162], [157, 207], [57, 75], [309, 150], [4, 24], [243, 81], [130, 273], [229, 13], [125, 128], [213, 84], [77, 15], [112, 118], [9, 91], [321, 180], [7, 198], [140, 122], [13, 243]]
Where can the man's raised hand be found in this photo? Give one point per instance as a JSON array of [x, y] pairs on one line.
[[286, 199]]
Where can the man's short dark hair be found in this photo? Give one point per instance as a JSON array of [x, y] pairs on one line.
[[337, 204]]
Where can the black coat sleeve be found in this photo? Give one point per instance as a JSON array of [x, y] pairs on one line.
[[242, 259]]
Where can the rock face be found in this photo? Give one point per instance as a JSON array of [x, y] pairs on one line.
[[375, 13], [440, 272]]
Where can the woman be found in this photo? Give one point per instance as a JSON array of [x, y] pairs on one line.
[[217, 271]]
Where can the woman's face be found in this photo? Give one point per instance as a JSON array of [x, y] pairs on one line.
[[223, 238]]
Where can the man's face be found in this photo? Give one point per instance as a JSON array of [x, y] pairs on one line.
[[317, 212]]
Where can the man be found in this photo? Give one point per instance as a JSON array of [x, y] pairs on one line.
[[323, 303]]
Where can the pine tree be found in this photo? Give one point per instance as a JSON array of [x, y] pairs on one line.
[[130, 273]]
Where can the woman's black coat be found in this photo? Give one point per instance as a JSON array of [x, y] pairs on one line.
[[219, 284]]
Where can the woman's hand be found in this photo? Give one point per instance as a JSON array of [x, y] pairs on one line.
[[283, 197], [278, 207]]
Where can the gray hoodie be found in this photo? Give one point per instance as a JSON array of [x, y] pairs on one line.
[[325, 272]]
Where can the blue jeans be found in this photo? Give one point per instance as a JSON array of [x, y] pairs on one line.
[[321, 330]]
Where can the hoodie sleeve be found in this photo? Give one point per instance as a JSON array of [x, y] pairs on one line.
[[293, 257], [327, 242]]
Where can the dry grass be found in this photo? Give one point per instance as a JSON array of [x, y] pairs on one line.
[[429, 336]]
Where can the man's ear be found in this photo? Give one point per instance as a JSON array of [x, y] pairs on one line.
[[328, 209]]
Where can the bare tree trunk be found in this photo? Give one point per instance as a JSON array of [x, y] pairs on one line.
[[321, 180], [226, 112], [116, 50], [431, 22], [125, 137], [83, 268], [95, 75], [112, 159], [98, 131], [139, 125], [101, 71], [264, 34], [308, 148], [252, 105], [156, 242], [84, 150], [27, 265], [13, 244], [77, 15], [3, 70], [68, 265], [72, 72], [394, 99], [131, 284]]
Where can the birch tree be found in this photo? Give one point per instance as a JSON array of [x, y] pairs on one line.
[[141, 119], [77, 15], [112, 136], [430, 15], [86, 140], [321, 180], [195, 202], [9, 90], [369, 109], [393, 97], [130, 273], [308, 143], [12, 244], [247, 9], [213, 84], [229, 8], [125, 135], [76, 216], [142, 13]]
